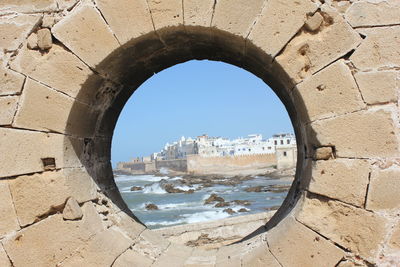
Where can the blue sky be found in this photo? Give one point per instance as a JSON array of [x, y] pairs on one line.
[[194, 98]]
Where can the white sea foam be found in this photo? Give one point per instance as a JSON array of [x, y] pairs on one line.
[[154, 189], [164, 171], [193, 218], [133, 178]]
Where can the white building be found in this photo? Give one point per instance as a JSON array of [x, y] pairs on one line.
[[206, 146]]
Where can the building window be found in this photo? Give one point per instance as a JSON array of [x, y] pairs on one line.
[[276, 142], [269, 148], [288, 141], [249, 149], [281, 142], [263, 148], [284, 153]]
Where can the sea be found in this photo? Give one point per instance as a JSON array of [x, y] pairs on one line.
[[181, 208]]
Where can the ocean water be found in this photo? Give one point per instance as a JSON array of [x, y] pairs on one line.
[[181, 208]]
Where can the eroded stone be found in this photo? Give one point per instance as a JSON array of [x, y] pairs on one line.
[[198, 13], [353, 228], [351, 134], [342, 179], [378, 87], [373, 13], [4, 261], [72, 211], [8, 222], [132, 258], [86, 34], [328, 93], [44, 39], [384, 189], [11, 82], [8, 107], [28, 5], [175, 255], [312, 24]]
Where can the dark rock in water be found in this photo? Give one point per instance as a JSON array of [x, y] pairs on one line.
[[190, 191], [222, 204], [229, 211], [243, 210], [171, 189], [242, 202], [136, 188], [151, 206], [256, 189], [213, 198]]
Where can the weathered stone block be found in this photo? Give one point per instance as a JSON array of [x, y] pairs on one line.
[[384, 189], [378, 87], [312, 23], [198, 13], [259, 257], [394, 241], [72, 211], [229, 256], [132, 258], [323, 153], [367, 13], [101, 250], [4, 261], [128, 225], [14, 31], [151, 243], [10, 82], [28, 147], [166, 13], [32, 41], [293, 244], [201, 257], [175, 255], [128, 19], [342, 179], [328, 93], [379, 49], [9, 221], [279, 21], [28, 5], [61, 70], [351, 134], [39, 194], [45, 109], [352, 228], [8, 106], [59, 238], [45, 40], [235, 16], [309, 52], [86, 34]]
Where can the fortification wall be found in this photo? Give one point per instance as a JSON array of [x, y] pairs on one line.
[[67, 67], [216, 165], [179, 165]]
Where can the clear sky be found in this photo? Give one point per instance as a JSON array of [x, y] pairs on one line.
[[194, 98]]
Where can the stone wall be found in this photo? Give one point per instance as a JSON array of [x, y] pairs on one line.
[[179, 165], [68, 66], [220, 165]]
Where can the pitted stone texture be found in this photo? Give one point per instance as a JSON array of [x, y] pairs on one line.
[[44, 39], [45, 109], [36, 195], [15, 31], [236, 16], [175, 255], [28, 5], [381, 48], [101, 250], [323, 153], [328, 93], [29, 147], [384, 189], [11, 82], [72, 211], [314, 22], [308, 52], [8, 106], [59, 237], [351, 134], [8, 222], [352, 228], [128, 19], [198, 13], [166, 13], [132, 258], [60, 70], [394, 241], [343, 179], [379, 86], [151, 243], [373, 13], [259, 257], [86, 34], [293, 244], [4, 261], [279, 21]]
